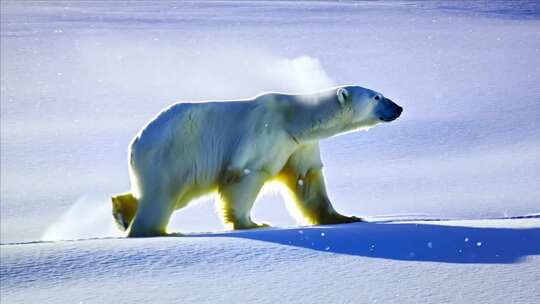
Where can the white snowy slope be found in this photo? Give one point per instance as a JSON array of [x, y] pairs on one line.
[[475, 261]]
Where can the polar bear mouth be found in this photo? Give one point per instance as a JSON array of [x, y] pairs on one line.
[[388, 119]]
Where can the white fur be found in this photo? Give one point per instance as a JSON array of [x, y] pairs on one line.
[[234, 147]]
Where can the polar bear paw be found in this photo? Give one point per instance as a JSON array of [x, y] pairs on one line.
[[340, 219], [251, 225]]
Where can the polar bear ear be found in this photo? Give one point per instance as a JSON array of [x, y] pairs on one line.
[[342, 95]]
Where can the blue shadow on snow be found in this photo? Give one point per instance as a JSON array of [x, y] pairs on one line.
[[407, 241]]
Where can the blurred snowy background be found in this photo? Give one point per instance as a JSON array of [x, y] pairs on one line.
[[78, 80]]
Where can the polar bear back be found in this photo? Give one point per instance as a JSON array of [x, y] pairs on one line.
[[204, 137]]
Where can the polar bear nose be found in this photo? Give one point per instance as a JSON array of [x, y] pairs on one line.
[[390, 111], [399, 110]]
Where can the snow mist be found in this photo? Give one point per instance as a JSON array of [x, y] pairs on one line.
[[179, 75]]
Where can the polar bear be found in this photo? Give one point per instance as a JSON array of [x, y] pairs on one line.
[[234, 148]]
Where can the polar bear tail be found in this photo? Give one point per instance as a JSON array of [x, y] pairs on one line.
[[124, 207]]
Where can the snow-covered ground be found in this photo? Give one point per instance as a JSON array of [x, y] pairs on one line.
[[79, 78], [489, 261]]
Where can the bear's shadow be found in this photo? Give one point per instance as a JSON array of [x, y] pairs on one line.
[[406, 241]]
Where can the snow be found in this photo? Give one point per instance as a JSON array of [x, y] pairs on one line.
[[385, 262], [79, 78]]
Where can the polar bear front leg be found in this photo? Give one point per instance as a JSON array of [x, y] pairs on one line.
[[310, 194], [304, 178], [238, 191]]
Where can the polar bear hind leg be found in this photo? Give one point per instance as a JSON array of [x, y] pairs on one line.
[[124, 207], [237, 197], [153, 214]]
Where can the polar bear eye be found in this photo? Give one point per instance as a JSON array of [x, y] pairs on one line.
[[377, 97]]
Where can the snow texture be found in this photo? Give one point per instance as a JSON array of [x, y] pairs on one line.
[[80, 78], [383, 262]]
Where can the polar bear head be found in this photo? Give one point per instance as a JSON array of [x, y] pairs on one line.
[[367, 107], [339, 110]]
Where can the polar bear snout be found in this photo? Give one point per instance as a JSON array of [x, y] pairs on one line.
[[388, 110]]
